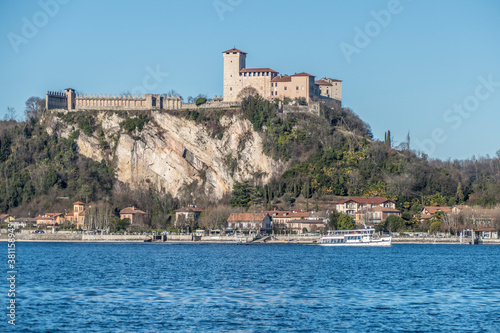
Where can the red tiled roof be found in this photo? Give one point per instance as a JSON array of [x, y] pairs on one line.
[[44, 218], [433, 209], [284, 78], [382, 209], [251, 70], [486, 229], [302, 74], [365, 200], [131, 210], [3, 216], [54, 214], [234, 50], [303, 221], [322, 83], [78, 203], [386, 209], [190, 209], [237, 217], [334, 80], [287, 213]]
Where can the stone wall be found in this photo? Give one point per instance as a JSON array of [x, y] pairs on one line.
[[70, 101], [210, 105], [313, 108]]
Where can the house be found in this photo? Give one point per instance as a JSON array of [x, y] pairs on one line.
[[486, 233], [188, 213], [352, 206], [429, 211], [280, 218], [77, 215], [375, 215], [49, 220], [300, 226], [249, 222], [6, 218], [23, 222], [476, 216], [132, 214]]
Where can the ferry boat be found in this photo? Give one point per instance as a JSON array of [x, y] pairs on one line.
[[358, 237]]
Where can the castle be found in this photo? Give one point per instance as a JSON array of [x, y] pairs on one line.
[[270, 85], [266, 81]]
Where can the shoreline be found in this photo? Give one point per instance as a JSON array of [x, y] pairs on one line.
[[177, 241], [193, 239]]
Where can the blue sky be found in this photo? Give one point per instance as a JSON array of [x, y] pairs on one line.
[[428, 67]]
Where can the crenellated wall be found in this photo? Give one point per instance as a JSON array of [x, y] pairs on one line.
[[68, 100]]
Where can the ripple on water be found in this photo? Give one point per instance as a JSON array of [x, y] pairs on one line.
[[227, 288]]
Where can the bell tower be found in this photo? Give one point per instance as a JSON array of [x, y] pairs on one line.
[[234, 61]]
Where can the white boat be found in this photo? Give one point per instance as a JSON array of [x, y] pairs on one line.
[[358, 237]]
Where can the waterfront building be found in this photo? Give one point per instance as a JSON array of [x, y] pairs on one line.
[[301, 226], [353, 205], [376, 215], [188, 213], [50, 219], [77, 215], [132, 214], [6, 218], [281, 218], [247, 222], [428, 211]]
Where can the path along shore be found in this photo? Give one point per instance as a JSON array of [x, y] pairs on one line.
[[293, 239]]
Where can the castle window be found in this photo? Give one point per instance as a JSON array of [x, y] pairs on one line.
[[285, 88], [231, 89], [297, 88]]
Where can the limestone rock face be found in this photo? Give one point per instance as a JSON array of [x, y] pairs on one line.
[[172, 152]]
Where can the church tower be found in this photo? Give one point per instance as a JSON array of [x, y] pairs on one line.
[[234, 61]]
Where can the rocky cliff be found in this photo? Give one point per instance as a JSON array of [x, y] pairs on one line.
[[171, 152]]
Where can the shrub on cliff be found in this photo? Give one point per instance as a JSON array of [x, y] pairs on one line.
[[200, 101], [131, 124]]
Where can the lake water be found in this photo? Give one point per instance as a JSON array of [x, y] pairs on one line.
[[255, 288]]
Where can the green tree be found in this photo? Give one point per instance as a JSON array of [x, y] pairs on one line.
[[242, 194], [394, 223], [287, 200], [435, 227], [345, 222], [460, 193]]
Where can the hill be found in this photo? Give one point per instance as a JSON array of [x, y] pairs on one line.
[[159, 160]]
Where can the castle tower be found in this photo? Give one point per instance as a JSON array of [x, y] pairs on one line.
[[71, 98], [234, 61]]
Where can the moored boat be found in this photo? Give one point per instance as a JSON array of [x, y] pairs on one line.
[[358, 237]]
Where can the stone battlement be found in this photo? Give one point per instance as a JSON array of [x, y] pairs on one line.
[[70, 101]]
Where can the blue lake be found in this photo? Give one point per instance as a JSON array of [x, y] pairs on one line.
[[256, 288]]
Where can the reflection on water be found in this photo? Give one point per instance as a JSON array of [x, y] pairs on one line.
[[282, 287]]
